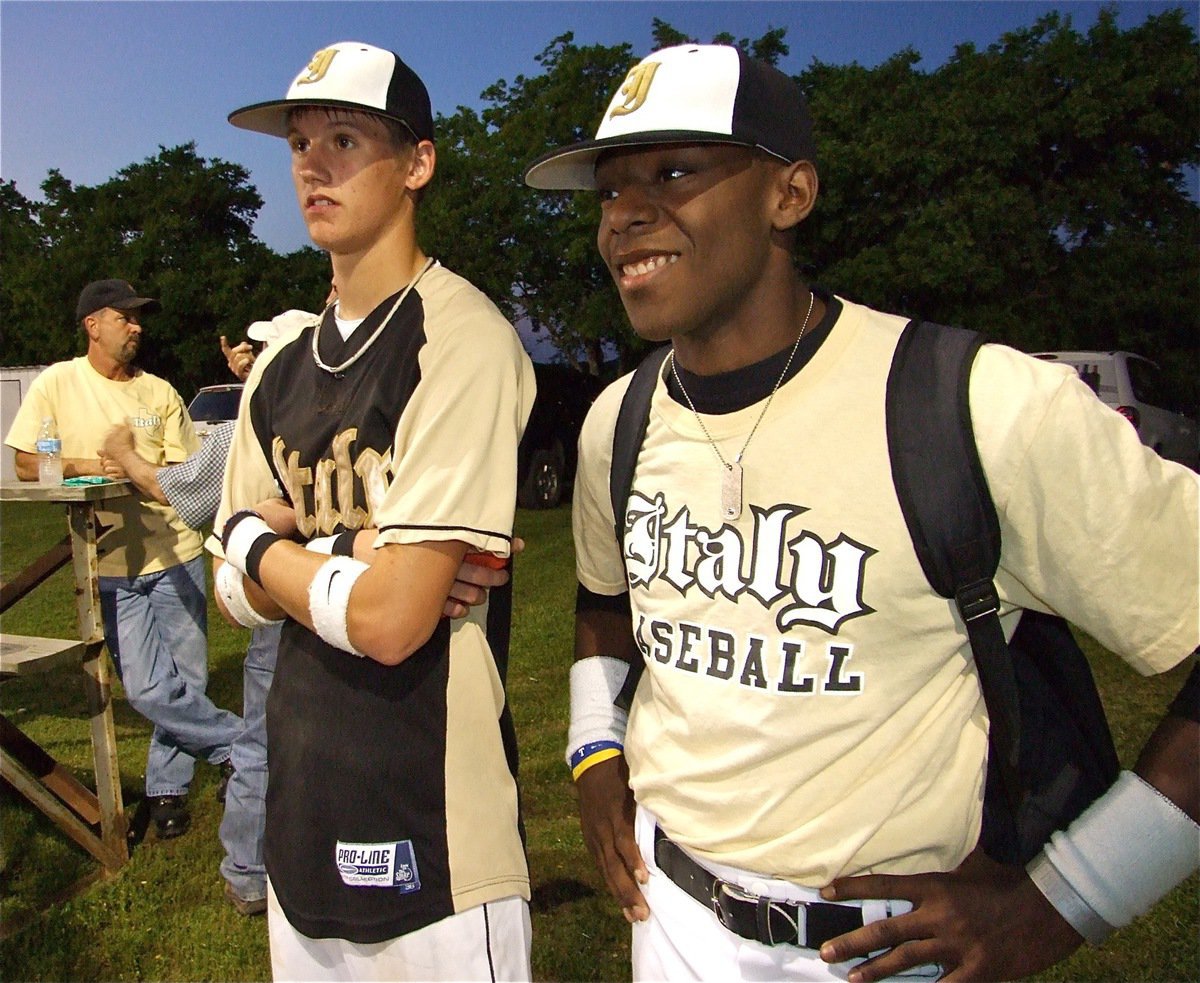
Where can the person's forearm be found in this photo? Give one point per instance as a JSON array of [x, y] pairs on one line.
[[1170, 759], [26, 466], [395, 605], [1170, 762], [75, 467], [144, 476], [604, 633], [243, 604], [1132, 845], [385, 611]]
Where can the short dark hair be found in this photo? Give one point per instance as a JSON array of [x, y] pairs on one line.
[[401, 136]]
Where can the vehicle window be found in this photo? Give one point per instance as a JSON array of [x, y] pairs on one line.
[[217, 405], [1098, 376], [1090, 374], [1146, 382]]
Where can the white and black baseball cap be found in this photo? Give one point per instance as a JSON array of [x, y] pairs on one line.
[[348, 75], [692, 93], [281, 324]]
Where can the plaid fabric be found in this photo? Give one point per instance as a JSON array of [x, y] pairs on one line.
[[193, 487]]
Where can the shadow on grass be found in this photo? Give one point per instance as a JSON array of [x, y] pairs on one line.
[[557, 892]]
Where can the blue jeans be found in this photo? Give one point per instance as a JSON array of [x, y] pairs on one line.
[[156, 628], [246, 797]]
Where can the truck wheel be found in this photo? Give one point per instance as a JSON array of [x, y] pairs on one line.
[[542, 488]]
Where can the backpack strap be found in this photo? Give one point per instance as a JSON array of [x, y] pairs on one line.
[[630, 431], [949, 511]]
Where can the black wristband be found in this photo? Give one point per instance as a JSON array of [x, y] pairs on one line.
[[255, 553], [343, 543], [232, 522]]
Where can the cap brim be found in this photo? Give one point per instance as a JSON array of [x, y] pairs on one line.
[[261, 331], [272, 117], [573, 168], [128, 304], [149, 304]]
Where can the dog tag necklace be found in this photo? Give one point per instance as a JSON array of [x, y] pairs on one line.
[[731, 479]]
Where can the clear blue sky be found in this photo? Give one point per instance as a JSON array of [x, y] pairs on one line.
[[89, 88]]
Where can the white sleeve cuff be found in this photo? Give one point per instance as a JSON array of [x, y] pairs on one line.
[[1128, 849]]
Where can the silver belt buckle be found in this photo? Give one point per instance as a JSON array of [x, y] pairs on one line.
[[726, 889], [800, 924], [763, 906]]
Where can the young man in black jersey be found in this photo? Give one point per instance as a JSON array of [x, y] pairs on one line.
[[393, 843], [796, 791]]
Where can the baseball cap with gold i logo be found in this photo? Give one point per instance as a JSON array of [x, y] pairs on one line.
[[348, 75], [691, 93]]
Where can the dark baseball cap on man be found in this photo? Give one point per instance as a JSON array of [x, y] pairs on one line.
[[690, 93], [348, 75], [116, 294]]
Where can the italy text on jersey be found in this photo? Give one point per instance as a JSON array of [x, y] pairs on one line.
[[784, 567]]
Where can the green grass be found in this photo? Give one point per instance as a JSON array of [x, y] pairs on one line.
[[163, 916]]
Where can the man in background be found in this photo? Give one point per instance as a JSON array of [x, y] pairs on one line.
[[152, 592]]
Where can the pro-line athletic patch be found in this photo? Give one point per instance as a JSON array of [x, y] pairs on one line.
[[379, 865]]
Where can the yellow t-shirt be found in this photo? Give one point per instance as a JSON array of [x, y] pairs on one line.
[[810, 708], [145, 537]]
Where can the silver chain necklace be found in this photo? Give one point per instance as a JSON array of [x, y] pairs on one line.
[[731, 480], [336, 369]]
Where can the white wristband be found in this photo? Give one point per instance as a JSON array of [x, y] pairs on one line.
[[322, 544], [1075, 911], [595, 722], [1128, 849], [230, 585], [242, 537], [329, 598]]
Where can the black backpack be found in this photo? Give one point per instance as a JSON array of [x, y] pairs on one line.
[[1051, 753]]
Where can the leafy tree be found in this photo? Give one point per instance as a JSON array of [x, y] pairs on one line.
[[1035, 190], [533, 253], [179, 228], [768, 48], [22, 292]]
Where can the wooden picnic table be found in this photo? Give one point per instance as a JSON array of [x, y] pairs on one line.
[[25, 765]]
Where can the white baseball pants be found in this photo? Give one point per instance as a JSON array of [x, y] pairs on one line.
[[490, 943], [683, 940]]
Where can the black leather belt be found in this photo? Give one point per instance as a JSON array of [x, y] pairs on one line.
[[809, 924]]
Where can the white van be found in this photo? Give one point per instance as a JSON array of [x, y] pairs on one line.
[[214, 404], [1134, 387]]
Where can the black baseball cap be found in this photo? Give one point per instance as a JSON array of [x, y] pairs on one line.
[[348, 75], [691, 93], [116, 294]]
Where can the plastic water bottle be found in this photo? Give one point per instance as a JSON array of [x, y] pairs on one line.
[[49, 451]]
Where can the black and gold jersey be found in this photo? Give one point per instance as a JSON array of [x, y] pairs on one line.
[[392, 800]]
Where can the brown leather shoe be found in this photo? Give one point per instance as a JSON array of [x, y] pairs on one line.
[[244, 907]]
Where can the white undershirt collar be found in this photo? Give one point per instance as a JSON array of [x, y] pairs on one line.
[[346, 326]]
